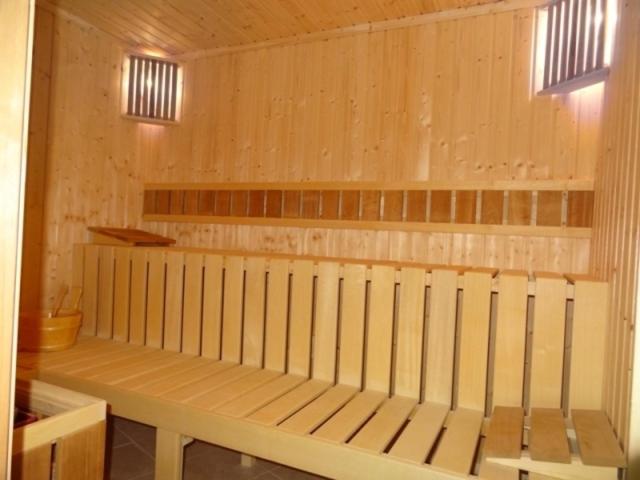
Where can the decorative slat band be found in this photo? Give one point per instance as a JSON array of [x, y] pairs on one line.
[[560, 211]]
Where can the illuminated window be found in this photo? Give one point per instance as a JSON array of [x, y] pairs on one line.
[[574, 44], [152, 89]]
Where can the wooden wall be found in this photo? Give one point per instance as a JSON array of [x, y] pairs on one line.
[[16, 41], [615, 251], [442, 101], [37, 157]]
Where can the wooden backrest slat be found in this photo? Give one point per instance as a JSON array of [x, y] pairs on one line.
[[588, 345], [380, 329], [275, 349], [474, 340], [173, 301], [90, 290], [352, 321], [138, 307], [408, 362], [326, 322], [232, 309], [299, 358], [441, 334], [121, 294], [105, 293], [155, 298], [212, 307], [192, 308], [511, 335], [253, 335], [547, 348], [288, 314]]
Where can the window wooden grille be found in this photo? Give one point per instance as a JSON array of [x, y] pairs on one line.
[[152, 89], [575, 45]]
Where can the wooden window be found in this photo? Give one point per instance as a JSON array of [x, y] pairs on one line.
[[152, 89], [573, 42]]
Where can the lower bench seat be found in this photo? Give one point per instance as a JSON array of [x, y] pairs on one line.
[[223, 402], [340, 368]]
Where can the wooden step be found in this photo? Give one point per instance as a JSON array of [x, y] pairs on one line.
[[596, 440]]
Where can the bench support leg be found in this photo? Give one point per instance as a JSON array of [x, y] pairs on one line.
[[169, 448], [247, 461]]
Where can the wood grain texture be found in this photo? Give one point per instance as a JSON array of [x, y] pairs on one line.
[[34, 464], [596, 439], [380, 329], [81, 454], [547, 350], [588, 343], [352, 325], [504, 436], [548, 440], [474, 341], [326, 322], [511, 331], [187, 28], [409, 333], [295, 135], [441, 332]]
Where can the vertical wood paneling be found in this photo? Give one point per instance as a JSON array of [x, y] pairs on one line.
[[138, 312], [174, 286], [408, 357], [441, 332], [105, 292], [326, 322], [352, 325], [37, 158], [277, 315], [474, 340], [192, 309], [90, 290], [232, 309], [380, 329], [121, 295], [155, 299], [254, 313], [547, 344], [318, 111], [616, 217], [511, 326], [300, 318], [81, 454], [212, 306]]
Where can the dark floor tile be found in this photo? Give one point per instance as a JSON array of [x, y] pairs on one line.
[[128, 462], [220, 463], [143, 435], [286, 473]]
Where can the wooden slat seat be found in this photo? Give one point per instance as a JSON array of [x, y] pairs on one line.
[[345, 370]]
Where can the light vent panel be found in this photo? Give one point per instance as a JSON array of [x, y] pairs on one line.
[[152, 87]]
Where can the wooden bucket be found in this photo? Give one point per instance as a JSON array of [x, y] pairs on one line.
[[41, 333]]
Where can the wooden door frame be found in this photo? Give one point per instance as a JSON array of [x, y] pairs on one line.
[[16, 44]]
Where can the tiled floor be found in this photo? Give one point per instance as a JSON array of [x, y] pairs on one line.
[[130, 451]]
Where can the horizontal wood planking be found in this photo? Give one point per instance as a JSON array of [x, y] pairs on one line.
[[556, 233], [181, 31]]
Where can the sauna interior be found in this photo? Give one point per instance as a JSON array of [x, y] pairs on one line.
[[358, 238]]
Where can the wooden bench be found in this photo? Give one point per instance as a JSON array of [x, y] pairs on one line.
[[345, 369]]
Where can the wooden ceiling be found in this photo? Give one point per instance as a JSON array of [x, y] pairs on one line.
[[181, 26]]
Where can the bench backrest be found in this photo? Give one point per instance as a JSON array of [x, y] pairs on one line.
[[467, 338]]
